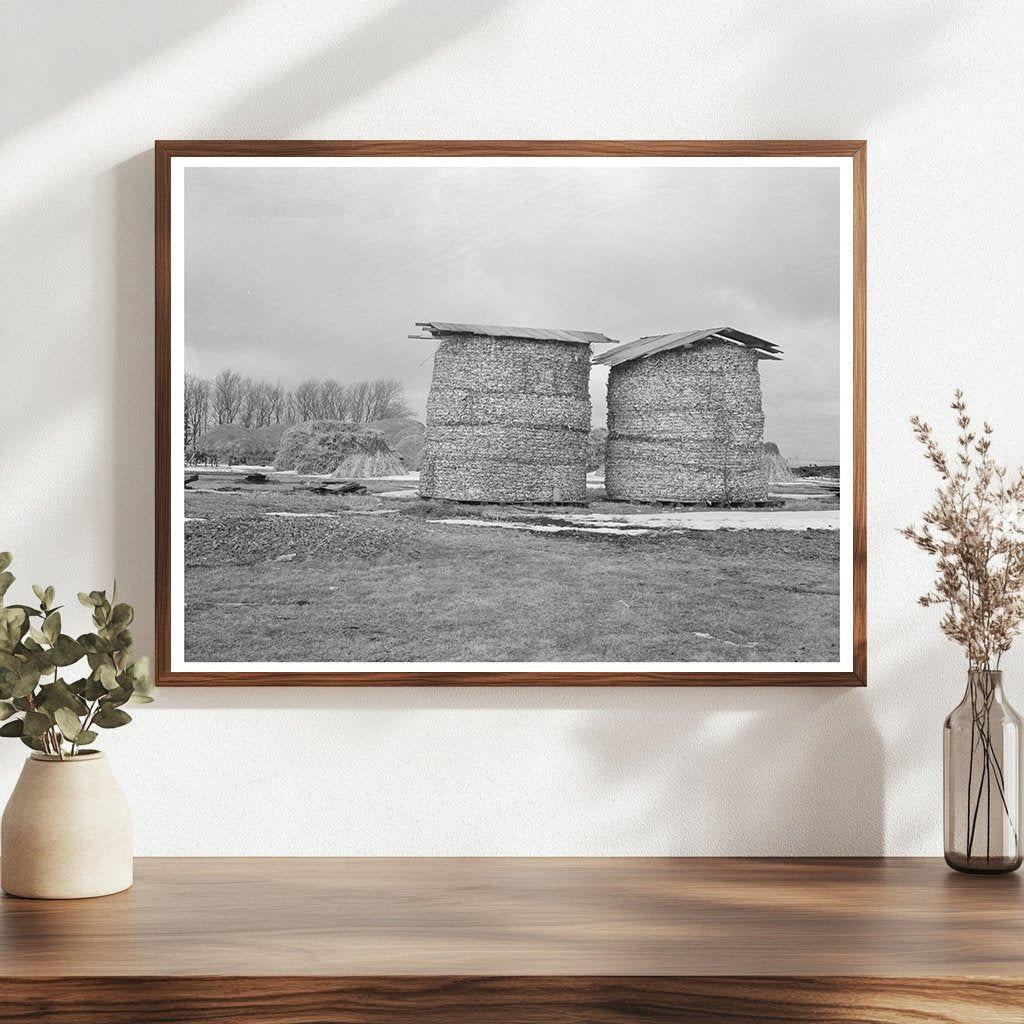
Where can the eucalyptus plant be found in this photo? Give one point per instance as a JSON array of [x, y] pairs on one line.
[[37, 704]]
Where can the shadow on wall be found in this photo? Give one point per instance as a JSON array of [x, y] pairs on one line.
[[57, 35], [849, 45], [691, 771], [395, 38], [132, 380], [733, 770], [925, 680]]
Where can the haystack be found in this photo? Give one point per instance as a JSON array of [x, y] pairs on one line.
[[333, 448], [684, 418], [775, 465], [231, 442], [508, 417], [405, 435]]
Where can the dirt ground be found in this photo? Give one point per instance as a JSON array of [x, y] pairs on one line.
[[278, 574]]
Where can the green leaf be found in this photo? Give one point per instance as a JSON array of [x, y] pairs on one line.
[[89, 600], [115, 698], [108, 718], [31, 741], [94, 689], [6, 710], [142, 682], [142, 670], [86, 736], [14, 614], [94, 644], [66, 651], [69, 724], [40, 593], [5, 559], [50, 595], [59, 695], [30, 612], [107, 676], [6, 579], [13, 728], [51, 626], [36, 723], [27, 682], [122, 616], [38, 635], [12, 627]]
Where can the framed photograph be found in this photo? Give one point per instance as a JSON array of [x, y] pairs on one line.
[[510, 413]]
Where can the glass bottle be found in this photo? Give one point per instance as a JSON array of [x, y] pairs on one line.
[[981, 772]]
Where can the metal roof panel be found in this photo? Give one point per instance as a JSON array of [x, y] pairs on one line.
[[524, 333], [649, 346]]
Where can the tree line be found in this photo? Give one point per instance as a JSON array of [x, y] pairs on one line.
[[231, 397]]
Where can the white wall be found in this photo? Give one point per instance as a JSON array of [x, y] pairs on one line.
[[936, 88]]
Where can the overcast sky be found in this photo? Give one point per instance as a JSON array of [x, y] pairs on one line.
[[322, 272]]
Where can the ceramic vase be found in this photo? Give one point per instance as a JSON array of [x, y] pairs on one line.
[[66, 831]]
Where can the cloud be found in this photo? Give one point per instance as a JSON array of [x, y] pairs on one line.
[[323, 271]]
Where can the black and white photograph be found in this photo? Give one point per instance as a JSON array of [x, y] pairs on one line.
[[511, 414]]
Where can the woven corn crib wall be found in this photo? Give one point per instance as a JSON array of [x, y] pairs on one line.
[[687, 425], [508, 420]]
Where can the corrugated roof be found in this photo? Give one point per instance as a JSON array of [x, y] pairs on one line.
[[525, 333], [643, 347]]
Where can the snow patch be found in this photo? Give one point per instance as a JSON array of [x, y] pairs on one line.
[[628, 525], [505, 524]]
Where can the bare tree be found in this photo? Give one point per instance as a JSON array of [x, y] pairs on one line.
[[344, 403], [308, 400], [246, 410], [259, 404], [197, 407], [232, 398], [275, 403], [387, 399], [228, 393], [332, 400], [359, 401]]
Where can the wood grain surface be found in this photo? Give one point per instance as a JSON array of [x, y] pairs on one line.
[[531, 916], [518, 1000], [505, 940], [166, 150]]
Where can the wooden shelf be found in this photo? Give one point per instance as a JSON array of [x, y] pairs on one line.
[[283, 941]]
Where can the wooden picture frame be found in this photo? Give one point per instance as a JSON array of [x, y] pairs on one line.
[[849, 671]]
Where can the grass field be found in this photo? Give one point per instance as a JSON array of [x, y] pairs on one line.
[[367, 579]]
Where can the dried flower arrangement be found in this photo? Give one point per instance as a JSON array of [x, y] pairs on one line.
[[975, 531]]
